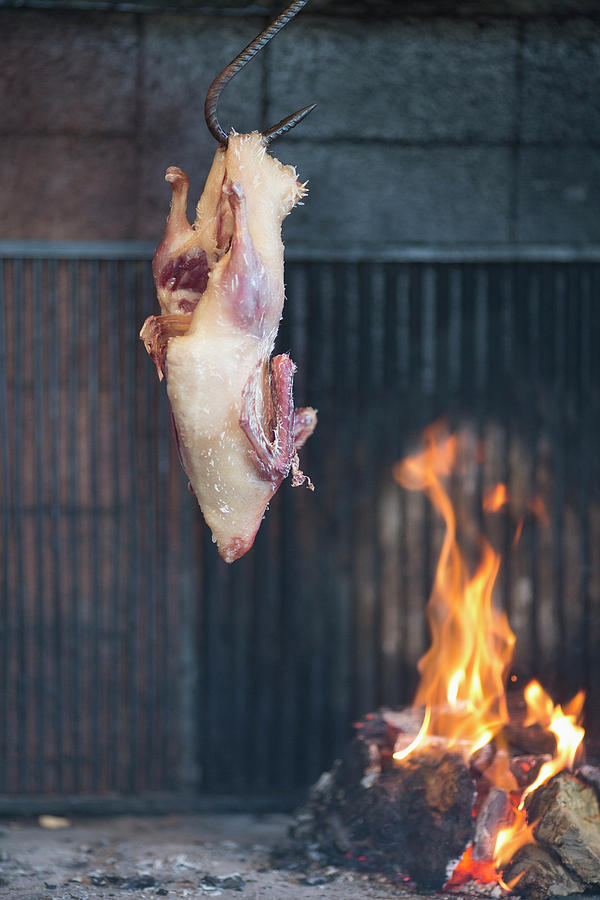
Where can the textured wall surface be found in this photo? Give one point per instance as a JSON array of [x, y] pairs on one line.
[[429, 129]]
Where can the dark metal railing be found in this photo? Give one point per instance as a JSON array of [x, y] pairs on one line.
[[133, 660]]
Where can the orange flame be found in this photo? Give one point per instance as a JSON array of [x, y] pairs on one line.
[[541, 710], [462, 673], [564, 725], [469, 869], [495, 498], [512, 838]]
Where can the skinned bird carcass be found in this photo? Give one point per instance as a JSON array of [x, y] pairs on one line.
[[221, 292]]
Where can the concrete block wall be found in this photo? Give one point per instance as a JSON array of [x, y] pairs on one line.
[[429, 131]]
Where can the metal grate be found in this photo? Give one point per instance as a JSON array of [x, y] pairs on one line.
[[134, 661], [89, 640]]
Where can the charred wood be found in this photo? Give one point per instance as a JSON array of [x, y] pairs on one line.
[[568, 823], [526, 768], [414, 817], [591, 776], [532, 740], [495, 813], [540, 875], [482, 759]]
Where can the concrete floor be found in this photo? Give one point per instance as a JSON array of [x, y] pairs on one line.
[[166, 856]]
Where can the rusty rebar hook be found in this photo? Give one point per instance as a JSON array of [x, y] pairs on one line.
[[224, 77]]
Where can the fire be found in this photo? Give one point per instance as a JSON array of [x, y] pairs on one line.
[[511, 839], [541, 710], [469, 869], [564, 725], [498, 497], [495, 498], [462, 684], [463, 672]]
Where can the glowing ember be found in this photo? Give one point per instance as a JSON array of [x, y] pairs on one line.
[[469, 869]]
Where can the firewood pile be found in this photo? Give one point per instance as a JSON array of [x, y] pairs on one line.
[[433, 819]]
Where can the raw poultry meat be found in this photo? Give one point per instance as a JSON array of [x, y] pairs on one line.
[[221, 292]]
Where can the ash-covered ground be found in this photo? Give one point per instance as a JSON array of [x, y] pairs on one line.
[[191, 856]]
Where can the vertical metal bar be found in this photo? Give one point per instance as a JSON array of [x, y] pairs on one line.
[[56, 546], [389, 362], [364, 348], [425, 378], [169, 750], [480, 348], [74, 530], [150, 638], [398, 301], [505, 376], [184, 554], [481, 356], [209, 738], [241, 715], [7, 501], [559, 436], [116, 611], [17, 523], [377, 335], [133, 539], [428, 373], [42, 693], [338, 446], [455, 293], [316, 633], [264, 587], [441, 325], [585, 407], [95, 599], [531, 288], [290, 634], [591, 398], [293, 335], [343, 549], [403, 327], [324, 467], [365, 662], [418, 325], [574, 424]]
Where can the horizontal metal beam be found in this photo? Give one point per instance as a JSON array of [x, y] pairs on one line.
[[147, 804], [432, 253], [441, 253], [76, 249], [524, 9], [140, 6]]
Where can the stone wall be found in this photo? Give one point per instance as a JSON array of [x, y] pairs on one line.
[[430, 130]]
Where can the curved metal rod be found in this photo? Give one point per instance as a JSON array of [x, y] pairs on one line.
[[224, 77]]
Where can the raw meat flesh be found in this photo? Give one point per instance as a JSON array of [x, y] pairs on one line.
[[221, 292]]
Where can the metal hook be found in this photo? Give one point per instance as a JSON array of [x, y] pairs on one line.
[[224, 77]]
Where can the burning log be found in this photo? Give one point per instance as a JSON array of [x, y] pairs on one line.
[[495, 813], [567, 819], [541, 875], [527, 768], [413, 817], [591, 775], [456, 790], [533, 740]]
